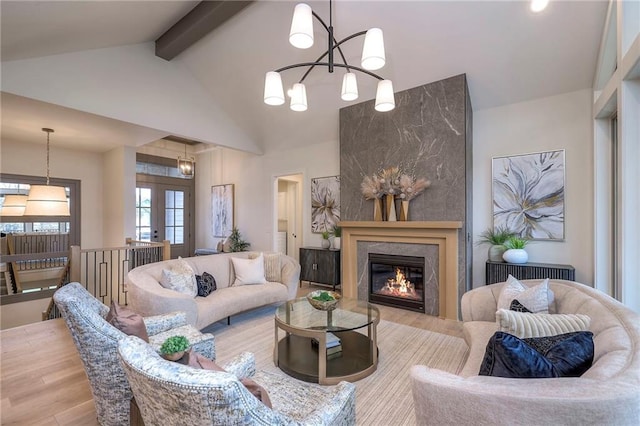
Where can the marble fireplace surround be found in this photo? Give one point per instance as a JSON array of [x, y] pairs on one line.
[[444, 234]]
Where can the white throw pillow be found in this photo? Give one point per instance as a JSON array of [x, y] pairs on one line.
[[249, 271], [180, 278], [536, 299], [526, 325], [272, 266]]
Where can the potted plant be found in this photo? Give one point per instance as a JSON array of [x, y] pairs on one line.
[[495, 237], [236, 243], [337, 237], [325, 240], [174, 348], [515, 250]]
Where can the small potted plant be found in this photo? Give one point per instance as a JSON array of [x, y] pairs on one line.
[[495, 237], [174, 348], [337, 237], [325, 240], [515, 250]]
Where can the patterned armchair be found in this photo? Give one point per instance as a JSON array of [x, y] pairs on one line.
[[97, 342], [170, 393]]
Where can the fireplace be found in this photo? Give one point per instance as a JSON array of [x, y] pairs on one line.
[[397, 281]]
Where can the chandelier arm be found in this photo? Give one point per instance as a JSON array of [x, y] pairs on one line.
[[337, 45], [326, 64], [335, 42]]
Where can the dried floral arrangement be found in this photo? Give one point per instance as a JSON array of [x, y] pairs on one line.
[[392, 181]]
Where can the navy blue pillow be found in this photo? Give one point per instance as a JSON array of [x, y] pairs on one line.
[[206, 284], [565, 355]]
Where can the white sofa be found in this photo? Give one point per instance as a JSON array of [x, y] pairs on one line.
[[147, 297], [607, 394]]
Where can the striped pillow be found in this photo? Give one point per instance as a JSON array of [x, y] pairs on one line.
[[527, 325]]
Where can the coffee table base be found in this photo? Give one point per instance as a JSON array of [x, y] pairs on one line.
[[299, 359]]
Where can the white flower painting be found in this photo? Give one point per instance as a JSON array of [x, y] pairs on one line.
[[325, 203], [528, 194]]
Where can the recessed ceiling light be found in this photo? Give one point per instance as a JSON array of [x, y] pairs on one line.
[[539, 5]]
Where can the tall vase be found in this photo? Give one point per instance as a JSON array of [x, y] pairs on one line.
[[391, 208], [377, 209], [404, 211]]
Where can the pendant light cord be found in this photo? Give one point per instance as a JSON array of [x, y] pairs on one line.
[[48, 131]]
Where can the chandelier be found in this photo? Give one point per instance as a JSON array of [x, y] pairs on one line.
[[186, 164], [301, 36], [47, 200]]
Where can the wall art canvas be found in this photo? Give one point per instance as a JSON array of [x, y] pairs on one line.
[[528, 194], [222, 210], [325, 203]]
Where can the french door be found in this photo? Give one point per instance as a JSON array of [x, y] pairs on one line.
[[164, 212]]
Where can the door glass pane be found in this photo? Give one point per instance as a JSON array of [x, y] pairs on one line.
[[169, 197], [143, 214], [169, 217], [174, 216]]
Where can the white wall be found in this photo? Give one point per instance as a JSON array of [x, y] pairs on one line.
[[557, 122], [253, 177], [17, 314], [119, 195]]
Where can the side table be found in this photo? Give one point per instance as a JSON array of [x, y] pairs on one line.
[[497, 272]]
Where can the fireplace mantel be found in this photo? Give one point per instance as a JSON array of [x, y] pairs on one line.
[[444, 234]]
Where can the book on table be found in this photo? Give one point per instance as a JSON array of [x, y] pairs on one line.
[[332, 341]]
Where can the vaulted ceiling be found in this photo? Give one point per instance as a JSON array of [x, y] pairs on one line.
[[508, 53]]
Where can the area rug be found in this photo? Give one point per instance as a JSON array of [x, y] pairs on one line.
[[384, 398]]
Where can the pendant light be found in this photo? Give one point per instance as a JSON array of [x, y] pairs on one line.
[[13, 205], [47, 200], [186, 164]]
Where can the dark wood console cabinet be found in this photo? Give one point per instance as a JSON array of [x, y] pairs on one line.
[[497, 272], [320, 265]]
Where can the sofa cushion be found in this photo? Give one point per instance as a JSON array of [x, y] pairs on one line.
[[523, 325], [535, 299], [248, 271], [180, 277], [127, 321], [566, 355], [206, 284]]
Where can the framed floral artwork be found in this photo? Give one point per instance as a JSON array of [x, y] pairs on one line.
[[325, 203], [528, 194], [222, 210]]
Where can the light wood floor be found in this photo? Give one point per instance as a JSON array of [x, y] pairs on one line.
[[42, 381]]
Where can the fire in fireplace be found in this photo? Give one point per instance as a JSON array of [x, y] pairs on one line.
[[397, 281]]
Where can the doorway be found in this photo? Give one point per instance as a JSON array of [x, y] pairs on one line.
[[163, 212], [288, 218]]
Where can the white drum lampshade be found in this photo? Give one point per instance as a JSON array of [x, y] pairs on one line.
[[373, 57], [298, 97], [13, 205], [47, 200], [385, 99], [273, 92], [349, 87], [301, 34]]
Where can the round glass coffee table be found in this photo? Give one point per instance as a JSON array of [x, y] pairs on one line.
[[302, 352]]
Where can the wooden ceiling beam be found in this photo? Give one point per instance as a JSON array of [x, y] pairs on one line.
[[200, 21]]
